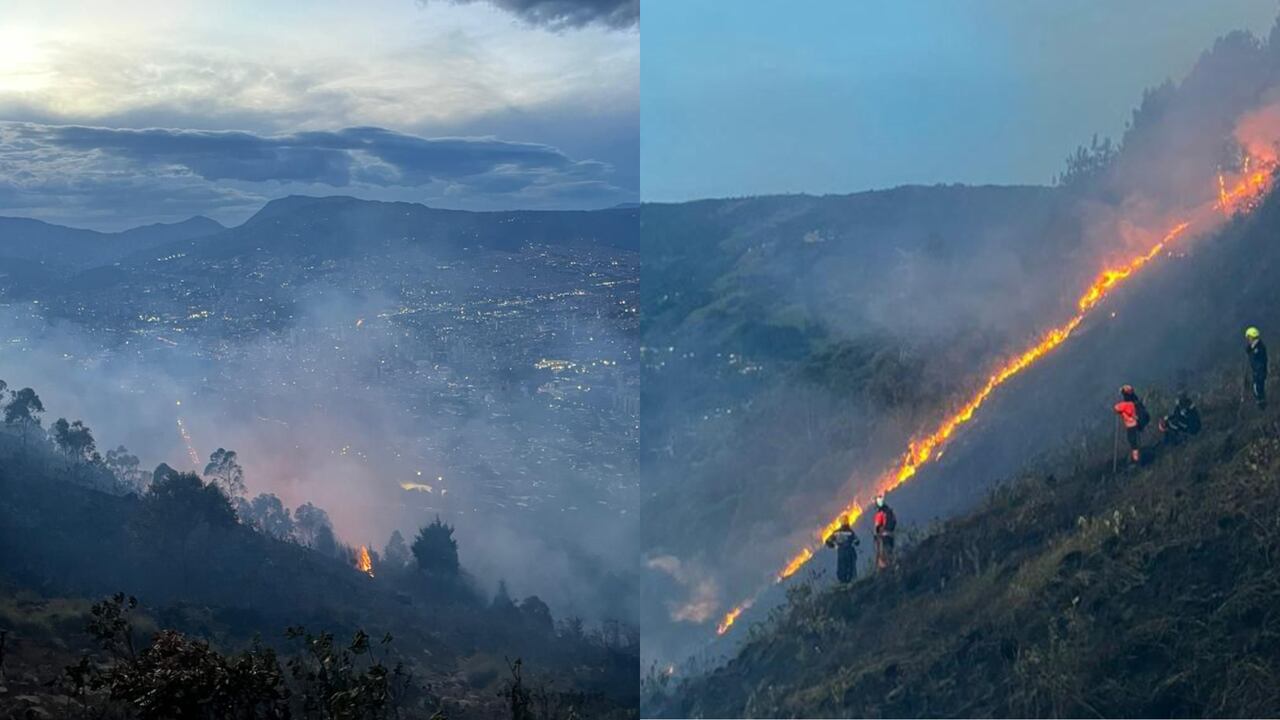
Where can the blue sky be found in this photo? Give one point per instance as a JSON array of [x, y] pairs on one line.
[[837, 96], [123, 112]]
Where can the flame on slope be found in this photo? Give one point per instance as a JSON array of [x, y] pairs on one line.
[[1243, 196], [364, 562], [732, 616]]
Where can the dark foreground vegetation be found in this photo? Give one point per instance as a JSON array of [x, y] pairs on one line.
[[1072, 593], [220, 606]]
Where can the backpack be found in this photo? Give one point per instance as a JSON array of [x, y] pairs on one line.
[[1144, 417], [890, 520]]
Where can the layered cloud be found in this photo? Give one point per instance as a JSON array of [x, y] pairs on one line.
[[480, 112], [88, 175], [558, 14]]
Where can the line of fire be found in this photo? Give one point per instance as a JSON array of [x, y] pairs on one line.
[[1237, 192]]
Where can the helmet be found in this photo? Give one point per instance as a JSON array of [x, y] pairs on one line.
[[1126, 389], [880, 500], [1252, 334]]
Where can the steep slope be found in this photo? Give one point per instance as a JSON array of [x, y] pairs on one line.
[[1071, 592], [785, 378], [1150, 593]]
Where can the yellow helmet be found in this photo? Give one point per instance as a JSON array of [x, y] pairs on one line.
[[1252, 334]]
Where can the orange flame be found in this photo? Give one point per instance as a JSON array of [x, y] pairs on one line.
[[364, 562], [731, 618], [796, 563], [1244, 196]]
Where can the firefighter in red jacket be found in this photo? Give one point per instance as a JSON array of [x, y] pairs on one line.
[[885, 523], [1135, 418]]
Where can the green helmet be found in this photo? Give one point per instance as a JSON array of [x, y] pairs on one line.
[[1252, 334]]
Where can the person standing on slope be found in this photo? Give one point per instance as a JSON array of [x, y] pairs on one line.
[[1257, 353], [1135, 418], [885, 523], [846, 545]]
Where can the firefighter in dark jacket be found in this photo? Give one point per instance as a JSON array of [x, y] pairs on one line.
[[846, 545], [885, 523], [1135, 418], [1257, 353], [1183, 420]]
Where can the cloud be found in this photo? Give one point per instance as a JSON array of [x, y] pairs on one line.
[[57, 171], [560, 14]]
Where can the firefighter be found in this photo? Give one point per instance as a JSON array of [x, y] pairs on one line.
[[1135, 418], [846, 545], [1183, 420], [1257, 353], [885, 523]]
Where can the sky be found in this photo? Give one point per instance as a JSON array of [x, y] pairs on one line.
[[834, 97], [121, 113]]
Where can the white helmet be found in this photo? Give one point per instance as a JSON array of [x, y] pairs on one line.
[[880, 500]]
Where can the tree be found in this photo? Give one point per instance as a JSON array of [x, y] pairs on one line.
[[74, 440], [23, 411], [126, 467], [396, 553], [502, 598], [179, 505], [224, 469], [435, 549], [184, 499], [266, 514], [314, 530], [1088, 163], [537, 614]]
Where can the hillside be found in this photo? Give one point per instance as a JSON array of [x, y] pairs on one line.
[[324, 228], [43, 243], [1070, 593], [795, 345], [72, 532]]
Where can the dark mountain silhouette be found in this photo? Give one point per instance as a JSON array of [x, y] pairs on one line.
[[327, 227], [55, 245]]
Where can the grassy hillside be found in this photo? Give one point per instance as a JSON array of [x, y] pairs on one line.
[[1075, 592]]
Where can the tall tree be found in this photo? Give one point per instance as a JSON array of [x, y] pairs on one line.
[[435, 549], [266, 514], [74, 440], [314, 530], [225, 470], [127, 468], [396, 553], [179, 505], [23, 411]]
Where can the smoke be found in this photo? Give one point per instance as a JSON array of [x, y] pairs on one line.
[[312, 420], [703, 594]]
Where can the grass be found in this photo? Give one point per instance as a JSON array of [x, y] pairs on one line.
[[1151, 593]]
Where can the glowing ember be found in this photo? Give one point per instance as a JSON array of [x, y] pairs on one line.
[[191, 449], [364, 563], [1243, 196]]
